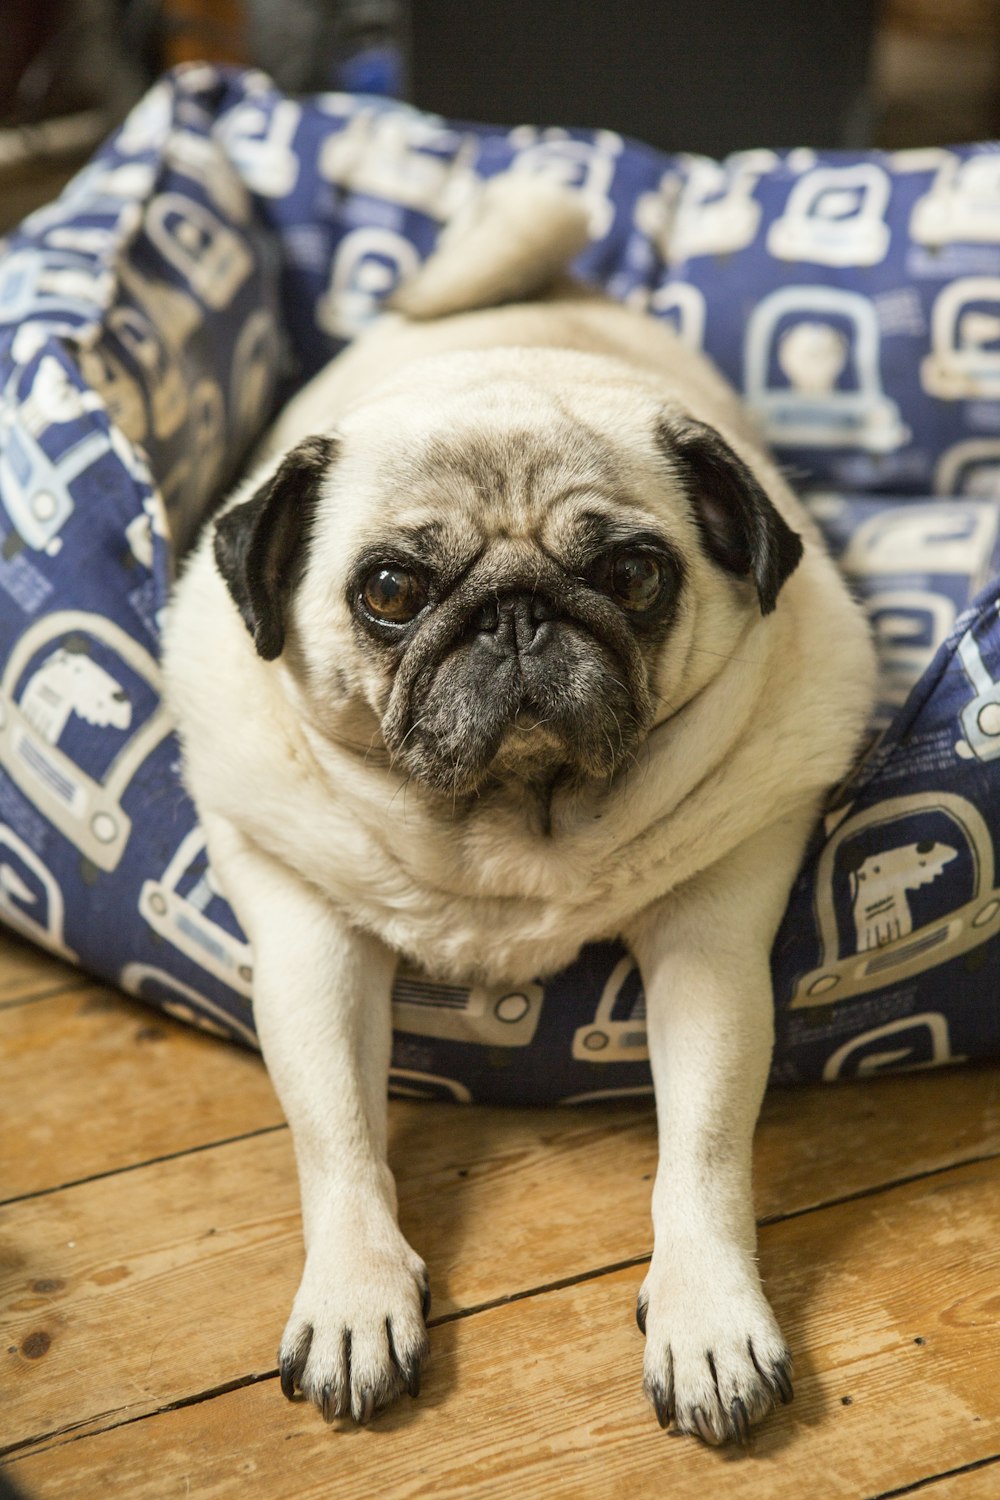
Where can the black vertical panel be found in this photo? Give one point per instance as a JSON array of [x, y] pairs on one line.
[[694, 75]]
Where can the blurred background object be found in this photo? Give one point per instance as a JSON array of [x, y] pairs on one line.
[[685, 75], [71, 69], [306, 45], [937, 72], [710, 76], [65, 78], [360, 46], [183, 31]]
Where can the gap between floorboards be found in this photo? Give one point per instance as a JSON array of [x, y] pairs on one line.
[[923, 1484]]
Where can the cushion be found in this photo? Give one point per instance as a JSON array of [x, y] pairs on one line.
[[219, 249]]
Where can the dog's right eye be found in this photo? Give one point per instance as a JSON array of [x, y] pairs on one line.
[[635, 581], [391, 593], [636, 578]]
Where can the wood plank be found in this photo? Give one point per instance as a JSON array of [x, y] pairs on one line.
[[97, 1082], [982, 1483], [540, 1397], [202, 1252], [26, 971], [823, 1142]]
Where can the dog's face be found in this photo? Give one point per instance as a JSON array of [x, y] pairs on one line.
[[517, 561]]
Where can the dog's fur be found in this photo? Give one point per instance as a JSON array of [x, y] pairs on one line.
[[527, 766]]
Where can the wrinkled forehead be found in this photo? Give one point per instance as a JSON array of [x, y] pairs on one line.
[[503, 461]]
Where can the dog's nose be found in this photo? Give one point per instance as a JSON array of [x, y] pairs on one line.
[[513, 623]]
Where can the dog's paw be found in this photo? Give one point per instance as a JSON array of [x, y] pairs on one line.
[[357, 1338], [714, 1364]]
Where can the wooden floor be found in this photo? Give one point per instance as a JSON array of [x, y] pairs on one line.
[[149, 1250]]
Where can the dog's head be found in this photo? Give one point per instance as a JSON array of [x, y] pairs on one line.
[[518, 560]]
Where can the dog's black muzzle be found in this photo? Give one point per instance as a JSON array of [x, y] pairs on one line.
[[514, 625], [472, 677]]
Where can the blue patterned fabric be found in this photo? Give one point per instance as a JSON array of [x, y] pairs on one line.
[[219, 249]]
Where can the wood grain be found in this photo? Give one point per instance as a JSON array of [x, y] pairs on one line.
[[26, 971], [891, 1303], [973, 1484], [98, 1083], [178, 1276], [92, 1083], [170, 1272]]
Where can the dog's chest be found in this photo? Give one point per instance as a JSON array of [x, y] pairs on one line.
[[499, 913], [483, 896]]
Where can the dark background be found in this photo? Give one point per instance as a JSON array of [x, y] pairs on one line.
[[684, 75], [681, 74]]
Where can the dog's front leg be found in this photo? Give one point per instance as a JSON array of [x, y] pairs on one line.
[[356, 1336], [715, 1360]]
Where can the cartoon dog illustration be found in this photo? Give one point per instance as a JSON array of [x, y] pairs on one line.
[[879, 883], [70, 681]]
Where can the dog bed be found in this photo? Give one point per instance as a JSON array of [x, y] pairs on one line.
[[219, 249]]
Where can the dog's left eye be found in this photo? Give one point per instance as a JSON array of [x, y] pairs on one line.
[[393, 594], [635, 580]]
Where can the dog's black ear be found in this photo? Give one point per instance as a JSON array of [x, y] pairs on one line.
[[740, 527], [259, 544]]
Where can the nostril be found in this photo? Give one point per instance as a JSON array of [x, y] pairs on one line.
[[514, 622], [488, 617]]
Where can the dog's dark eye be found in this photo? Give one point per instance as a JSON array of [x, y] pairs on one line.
[[393, 594], [635, 580]]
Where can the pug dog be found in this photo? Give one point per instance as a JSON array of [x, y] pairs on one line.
[[518, 640]]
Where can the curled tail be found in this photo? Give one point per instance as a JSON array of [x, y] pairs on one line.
[[518, 236]]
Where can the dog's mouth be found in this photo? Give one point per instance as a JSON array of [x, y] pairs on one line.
[[522, 692]]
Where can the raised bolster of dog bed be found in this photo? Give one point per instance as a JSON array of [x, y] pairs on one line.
[[218, 250]]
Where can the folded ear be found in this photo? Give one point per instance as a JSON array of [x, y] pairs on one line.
[[259, 544], [741, 528]]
